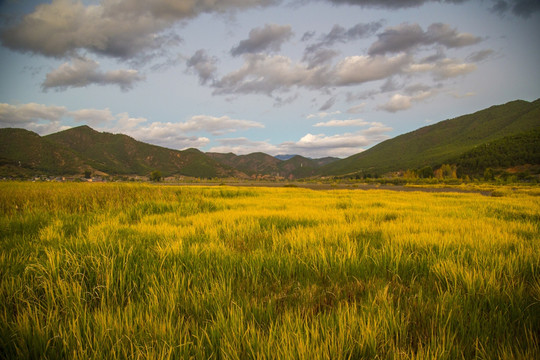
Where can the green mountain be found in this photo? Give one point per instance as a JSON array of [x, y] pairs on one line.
[[24, 152], [252, 164], [78, 149], [121, 154], [500, 136], [263, 164], [506, 152], [442, 142]]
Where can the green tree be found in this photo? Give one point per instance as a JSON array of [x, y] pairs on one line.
[[87, 174], [425, 172], [488, 174], [155, 175]]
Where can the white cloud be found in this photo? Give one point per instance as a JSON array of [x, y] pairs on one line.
[[47, 119], [400, 102], [217, 125], [82, 72], [449, 68], [342, 123], [356, 109], [323, 114], [354, 70], [265, 74], [167, 134], [442, 69], [92, 116], [19, 115], [310, 145]]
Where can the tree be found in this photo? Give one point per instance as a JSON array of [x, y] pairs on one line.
[[425, 172], [488, 174], [87, 174], [155, 176]]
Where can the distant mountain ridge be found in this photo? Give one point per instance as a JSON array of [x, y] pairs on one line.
[[82, 148], [442, 142], [504, 135]]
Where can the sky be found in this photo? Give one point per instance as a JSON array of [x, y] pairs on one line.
[[311, 77]]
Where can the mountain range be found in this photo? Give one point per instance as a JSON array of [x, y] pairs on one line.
[[499, 136]]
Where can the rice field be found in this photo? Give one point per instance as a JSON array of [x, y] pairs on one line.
[[132, 271]]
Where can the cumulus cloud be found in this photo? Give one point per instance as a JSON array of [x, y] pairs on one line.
[[322, 114], [342, 123], [82, 72], [400, 102], [92, 116], [311, 145], [406, 37], [216, 125], [442, 69], [120, 28], [265, 74], [46, 119], [166, 134], [356, 109], [268, 38], [203, 65], [39, 118], [172, 134], [354, 70]]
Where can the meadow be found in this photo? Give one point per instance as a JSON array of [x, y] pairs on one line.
[[135, 271]]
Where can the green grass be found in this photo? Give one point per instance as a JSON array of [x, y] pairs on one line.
[[93, 271]]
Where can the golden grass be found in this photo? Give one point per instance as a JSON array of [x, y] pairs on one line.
[[140, 271]]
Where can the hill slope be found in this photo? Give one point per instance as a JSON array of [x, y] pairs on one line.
[[259, 163], [24, 152], [506, 152], [441, 142], [121, 154]]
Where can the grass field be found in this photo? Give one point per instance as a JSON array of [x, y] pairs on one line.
[[120, 271]]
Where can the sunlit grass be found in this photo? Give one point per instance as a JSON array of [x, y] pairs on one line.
[[140, 271]]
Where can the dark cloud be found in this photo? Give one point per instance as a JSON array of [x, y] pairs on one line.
[[203, 65], [270, 37], [121, 28], [390, 4], [406, 37], [481, 55], [328, 104], [318, 53], [83, 72], [523, 8], [342, 35], [308, 35], [319, 57]]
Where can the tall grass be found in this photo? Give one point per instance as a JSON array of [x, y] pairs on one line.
[[93, 271]]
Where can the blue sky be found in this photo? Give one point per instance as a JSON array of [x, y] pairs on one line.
[[311, 77]]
